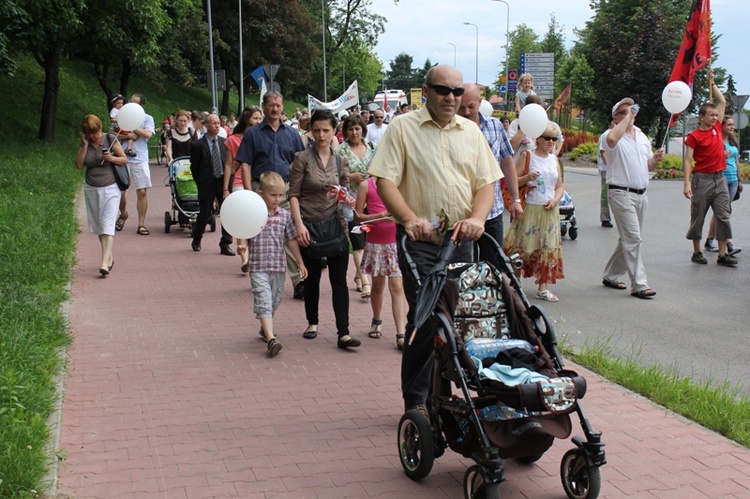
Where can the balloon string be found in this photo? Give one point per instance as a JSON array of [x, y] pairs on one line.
[[666, 135]]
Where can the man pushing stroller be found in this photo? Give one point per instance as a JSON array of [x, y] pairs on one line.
[[420, 189]]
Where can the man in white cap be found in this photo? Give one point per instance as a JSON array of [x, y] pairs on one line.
[[629, 159]]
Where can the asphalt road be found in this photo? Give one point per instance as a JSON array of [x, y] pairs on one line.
[[696, 321]]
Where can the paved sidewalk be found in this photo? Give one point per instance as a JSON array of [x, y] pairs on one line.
[[170, 394]]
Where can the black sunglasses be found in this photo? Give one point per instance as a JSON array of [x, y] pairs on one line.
[[443, 90], [553, 139]]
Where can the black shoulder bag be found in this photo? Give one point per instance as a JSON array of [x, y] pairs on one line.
[[327, 237], [122, 177]]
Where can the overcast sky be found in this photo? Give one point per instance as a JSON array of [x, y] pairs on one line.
[[424, 28]]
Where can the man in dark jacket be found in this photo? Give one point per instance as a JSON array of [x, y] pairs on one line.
[[207, 166]]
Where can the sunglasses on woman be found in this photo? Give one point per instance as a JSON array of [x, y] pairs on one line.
[[443, 90], [553, 139]]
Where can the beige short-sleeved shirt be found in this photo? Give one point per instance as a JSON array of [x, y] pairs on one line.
[[435, 168]]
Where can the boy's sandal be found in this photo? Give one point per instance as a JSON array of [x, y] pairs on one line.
[[375, 329], [143, 231], [121, 221], [400, 341], [365, 291]]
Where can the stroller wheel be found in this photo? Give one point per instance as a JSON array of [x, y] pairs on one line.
[[416, 444], [573, 233], [167, 222], [580, 480], [212, 223], [563, 230], [476, 488]]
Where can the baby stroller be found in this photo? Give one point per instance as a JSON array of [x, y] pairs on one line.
[[185, 206], [568, 217], [488, 419]]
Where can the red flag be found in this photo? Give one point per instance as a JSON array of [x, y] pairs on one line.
[[695, 50], [563, 98]]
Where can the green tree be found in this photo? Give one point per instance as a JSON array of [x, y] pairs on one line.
[[631, 46], [119, 37], [356, 62], [554, 42], [401, 75], [46, 30], [576, 71], [272, 33], [521, 40]]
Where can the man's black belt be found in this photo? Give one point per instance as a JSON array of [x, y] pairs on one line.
[[629, 189]]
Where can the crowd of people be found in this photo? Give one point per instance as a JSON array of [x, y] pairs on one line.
[[400, 172]]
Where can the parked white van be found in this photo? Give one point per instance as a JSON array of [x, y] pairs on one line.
[[395, 98]]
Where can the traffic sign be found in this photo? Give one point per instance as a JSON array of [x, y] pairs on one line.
[[503, 89], [740, 120], [739, 101], [513, 75]]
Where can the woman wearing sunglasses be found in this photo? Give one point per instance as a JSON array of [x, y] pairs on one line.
[[536, 235]]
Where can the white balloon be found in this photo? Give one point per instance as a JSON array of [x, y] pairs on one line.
[[532, 120], [131, 116], [676, 97], [485, 108], [244, 214]]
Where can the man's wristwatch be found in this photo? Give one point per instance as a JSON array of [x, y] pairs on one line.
[[517, 201]]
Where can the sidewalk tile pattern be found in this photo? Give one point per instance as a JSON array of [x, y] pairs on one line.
[[170, 394]]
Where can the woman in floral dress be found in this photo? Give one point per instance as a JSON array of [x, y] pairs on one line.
[[536, 235]]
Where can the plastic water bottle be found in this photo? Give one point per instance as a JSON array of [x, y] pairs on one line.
[[464, 425], [481, 348], [347, 210], [540, 185]]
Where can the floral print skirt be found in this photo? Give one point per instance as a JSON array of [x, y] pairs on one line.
[[536, 238], [380, 259]]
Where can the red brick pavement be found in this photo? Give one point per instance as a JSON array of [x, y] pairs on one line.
[[170, 394]]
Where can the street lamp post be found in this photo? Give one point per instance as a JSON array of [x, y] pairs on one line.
[[476, 74], [242, 73], [325, 77], [507, 49], [454, 53]]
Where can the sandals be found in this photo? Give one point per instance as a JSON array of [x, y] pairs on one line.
[[310, 335], [348, 342], [614, 285], [545, 295], [365, 291], [400, 341], [143, 231], [358, 283], [121, 221], [644, 294], [375, 329]]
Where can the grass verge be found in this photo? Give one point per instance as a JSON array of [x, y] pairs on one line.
[[717, 406]]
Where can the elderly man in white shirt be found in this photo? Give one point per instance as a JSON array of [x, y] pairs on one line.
[[376, 129]]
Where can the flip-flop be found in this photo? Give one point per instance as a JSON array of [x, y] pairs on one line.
[[143, 231], [644, 294], [310, 335], [614, 285]]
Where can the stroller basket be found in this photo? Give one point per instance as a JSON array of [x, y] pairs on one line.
[[512, 404]]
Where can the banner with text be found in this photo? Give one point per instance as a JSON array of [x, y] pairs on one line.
[[348, 99]]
